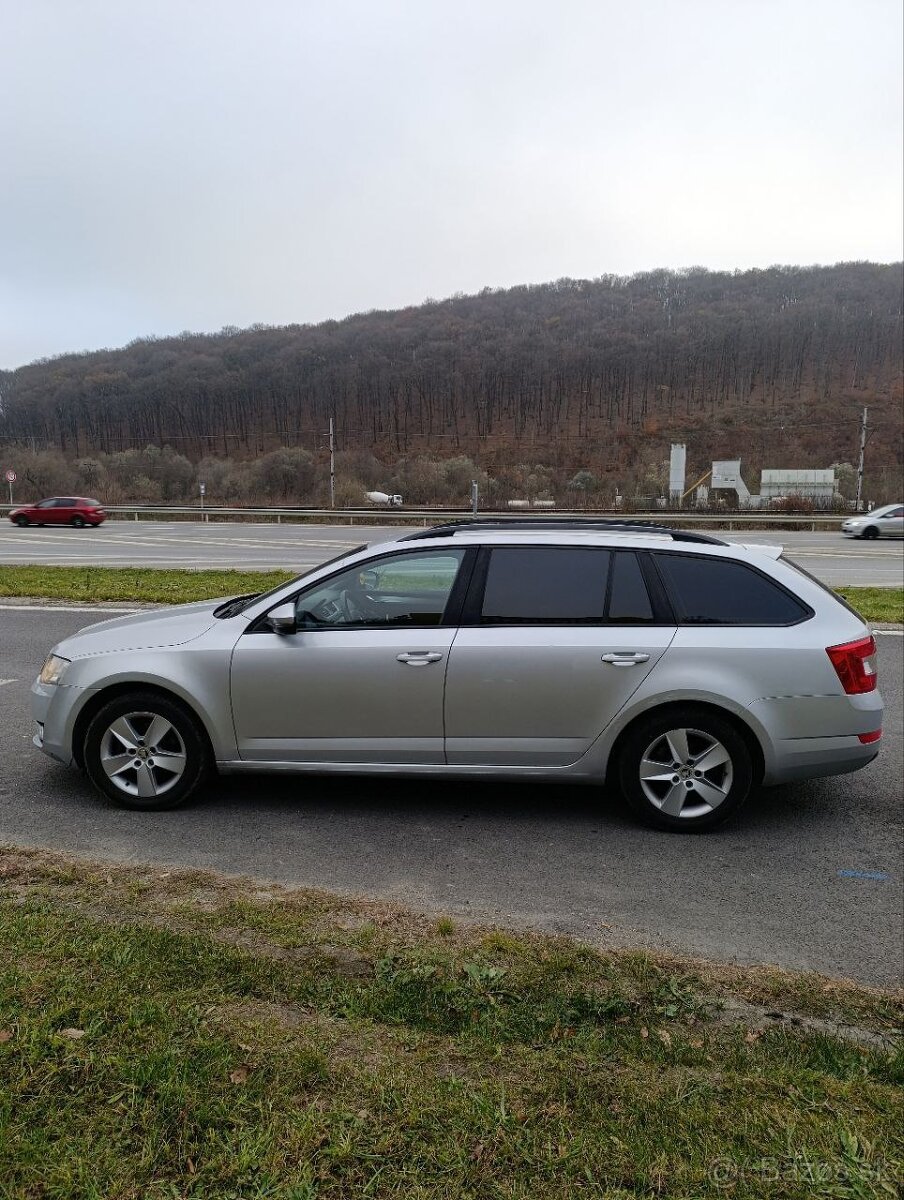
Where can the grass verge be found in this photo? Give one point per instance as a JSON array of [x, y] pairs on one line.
[[150, 586], [876, 604], [177, 1034], [158, 586]]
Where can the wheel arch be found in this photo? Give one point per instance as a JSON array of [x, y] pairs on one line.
[[97, 700], [752, 741]]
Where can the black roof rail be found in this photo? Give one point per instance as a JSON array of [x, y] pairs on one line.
[[479, 524]]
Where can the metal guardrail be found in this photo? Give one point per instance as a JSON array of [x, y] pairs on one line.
[[379, 516]]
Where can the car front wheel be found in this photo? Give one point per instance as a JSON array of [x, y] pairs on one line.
[[687, 770], [870, 533], [22, 522], [145, 751]]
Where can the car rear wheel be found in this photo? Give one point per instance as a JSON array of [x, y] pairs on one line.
[[687, 770], [870, 533], [145, 751], [22, 522], [77, 522]]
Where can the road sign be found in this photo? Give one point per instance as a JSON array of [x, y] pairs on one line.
[[10, 476]]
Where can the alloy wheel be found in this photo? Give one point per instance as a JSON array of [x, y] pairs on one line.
[[143, 754], [686, 773]]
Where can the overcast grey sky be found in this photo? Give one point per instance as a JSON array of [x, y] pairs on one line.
[[189, 165]]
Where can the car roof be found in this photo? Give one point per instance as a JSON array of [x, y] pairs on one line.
[[558, 525], [564, 536]]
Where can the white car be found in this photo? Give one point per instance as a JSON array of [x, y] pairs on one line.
[[887, 521]]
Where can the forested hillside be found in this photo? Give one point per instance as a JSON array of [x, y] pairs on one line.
[[578, 382]]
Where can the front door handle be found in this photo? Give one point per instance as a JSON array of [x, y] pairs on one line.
[[419, 658], [625, 659]]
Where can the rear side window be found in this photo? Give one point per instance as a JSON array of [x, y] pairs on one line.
[[545, 585], [716, 591]]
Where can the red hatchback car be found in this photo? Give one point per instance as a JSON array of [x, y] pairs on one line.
[[60, 510]]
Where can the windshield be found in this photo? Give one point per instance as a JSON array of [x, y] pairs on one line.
[[238, 604]]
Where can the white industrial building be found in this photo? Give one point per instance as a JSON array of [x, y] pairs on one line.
[[818, 486], [725, 483]]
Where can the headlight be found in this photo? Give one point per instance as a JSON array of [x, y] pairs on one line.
[[54, 669]]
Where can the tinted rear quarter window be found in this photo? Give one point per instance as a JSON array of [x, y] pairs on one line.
[[716, 591], [628, 596], [545, 585]]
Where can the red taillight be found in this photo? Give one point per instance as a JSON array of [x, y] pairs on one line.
[[853, 661], [866, 738]]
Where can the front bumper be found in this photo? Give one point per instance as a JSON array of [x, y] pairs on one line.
[[52, 708]]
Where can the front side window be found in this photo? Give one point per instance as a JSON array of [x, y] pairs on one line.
[[716, 591], [409, 590], [545, 585]]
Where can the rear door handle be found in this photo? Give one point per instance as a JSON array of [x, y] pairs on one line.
[[625, 659], [419, 658]]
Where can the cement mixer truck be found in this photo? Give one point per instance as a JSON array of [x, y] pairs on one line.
[[384, 500]]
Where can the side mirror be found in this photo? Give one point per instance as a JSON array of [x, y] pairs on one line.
[[282, 619]]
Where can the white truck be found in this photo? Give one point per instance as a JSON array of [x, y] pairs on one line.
[[384, 499]]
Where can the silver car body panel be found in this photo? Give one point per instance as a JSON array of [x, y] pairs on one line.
[[535, 696], [340, 696], [491, 702]]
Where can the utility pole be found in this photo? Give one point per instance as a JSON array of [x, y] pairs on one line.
[[475, 494], [858, 504], [332, 467]]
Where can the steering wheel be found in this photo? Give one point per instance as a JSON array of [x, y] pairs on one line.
[[352, 608]]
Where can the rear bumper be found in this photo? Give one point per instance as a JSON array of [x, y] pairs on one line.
[[813, 758], [812, 736]]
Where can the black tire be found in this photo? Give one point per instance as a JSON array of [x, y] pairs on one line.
[[187, 730], [870, 533], [22, 522], [734, 777], [77, 522]]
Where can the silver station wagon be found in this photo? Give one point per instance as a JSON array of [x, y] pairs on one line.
[[683, 670]]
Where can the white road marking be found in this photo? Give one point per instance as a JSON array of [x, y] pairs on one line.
[[193, 563], [3, 681], [167, 537]]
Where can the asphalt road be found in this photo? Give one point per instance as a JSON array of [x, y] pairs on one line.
[[830, 556], [808, 876]]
